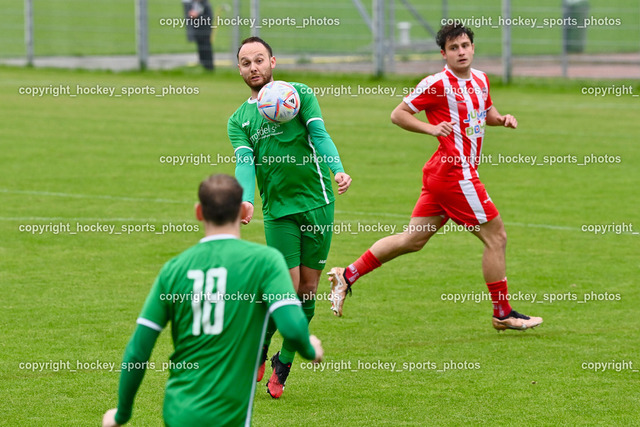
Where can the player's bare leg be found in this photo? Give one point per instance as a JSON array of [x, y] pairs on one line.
[[494, 237], [417, 235], [308, 285], [305, 282]]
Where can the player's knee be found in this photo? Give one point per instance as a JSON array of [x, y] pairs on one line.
[[307, 289], [498, 239], [415, 241]]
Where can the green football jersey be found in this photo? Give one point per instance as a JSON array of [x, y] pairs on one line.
[[292, 177], [214, 294]]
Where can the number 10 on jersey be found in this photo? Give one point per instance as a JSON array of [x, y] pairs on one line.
[[203, 300]]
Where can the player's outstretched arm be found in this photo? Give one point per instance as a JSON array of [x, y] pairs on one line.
[[494, 118], [404, 117], [328, 153], [134, 363]]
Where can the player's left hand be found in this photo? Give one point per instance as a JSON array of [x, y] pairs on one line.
[[109, 418], [510, 121], [344, 181]]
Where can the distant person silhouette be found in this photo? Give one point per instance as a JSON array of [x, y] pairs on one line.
[[200, 17]]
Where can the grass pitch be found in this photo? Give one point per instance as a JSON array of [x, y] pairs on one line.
[[70, 300]]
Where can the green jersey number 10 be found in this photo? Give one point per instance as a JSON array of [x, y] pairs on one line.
[[203, 300]]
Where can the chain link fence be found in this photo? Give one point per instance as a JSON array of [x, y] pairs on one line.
[[551, 37]]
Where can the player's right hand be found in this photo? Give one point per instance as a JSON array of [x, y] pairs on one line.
[[317, 346], [248, 212], [109, 418], [443, 129]]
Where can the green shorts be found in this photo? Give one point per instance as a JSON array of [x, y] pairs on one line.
[[303, 238]]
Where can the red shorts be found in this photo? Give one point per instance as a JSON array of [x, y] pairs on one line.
[[466, 201]]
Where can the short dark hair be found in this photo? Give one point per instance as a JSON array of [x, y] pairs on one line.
[[451, 32], [220, 196], [254, 39]]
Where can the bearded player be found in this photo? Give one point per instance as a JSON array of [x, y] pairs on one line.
[[292, 163], [458, 106]]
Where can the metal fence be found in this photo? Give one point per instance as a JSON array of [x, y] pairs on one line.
[[552, 37]]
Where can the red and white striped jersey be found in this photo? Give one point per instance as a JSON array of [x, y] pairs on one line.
[[447, 98]]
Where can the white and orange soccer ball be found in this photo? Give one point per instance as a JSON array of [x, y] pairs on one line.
[[278, 102]]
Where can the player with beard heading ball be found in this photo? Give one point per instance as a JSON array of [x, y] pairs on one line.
[[292, 163]]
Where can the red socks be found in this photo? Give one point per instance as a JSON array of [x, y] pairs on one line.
[[368, 262], [365, 264], [500, 298]]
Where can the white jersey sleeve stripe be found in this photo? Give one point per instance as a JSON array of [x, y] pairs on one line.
[[406, 101], [313, 119], [149, 324], [282, 303], [243, 146]]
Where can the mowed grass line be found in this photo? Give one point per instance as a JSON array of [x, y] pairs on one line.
[[76, 297]]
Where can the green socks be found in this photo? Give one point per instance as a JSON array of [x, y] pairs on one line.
[[287, 354]]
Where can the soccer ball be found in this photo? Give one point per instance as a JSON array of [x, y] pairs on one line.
[[278, 102]]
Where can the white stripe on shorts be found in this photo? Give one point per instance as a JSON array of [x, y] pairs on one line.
[[471, 195]]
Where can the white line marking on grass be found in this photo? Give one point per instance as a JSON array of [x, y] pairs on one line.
[[514, 224], [546, 226], [92, 196], [159, 200], [62, 218]]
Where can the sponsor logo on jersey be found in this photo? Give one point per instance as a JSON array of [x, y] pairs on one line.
[[245, 124], [476, 121], [265, 131]]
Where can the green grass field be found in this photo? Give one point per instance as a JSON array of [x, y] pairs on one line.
[[96, 159]]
